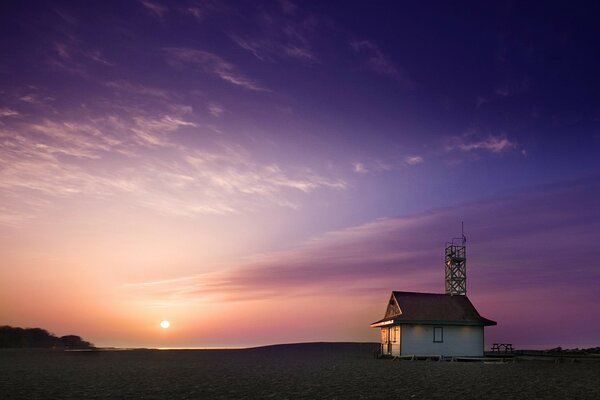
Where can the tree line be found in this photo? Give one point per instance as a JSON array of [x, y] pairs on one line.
[[13, 337]]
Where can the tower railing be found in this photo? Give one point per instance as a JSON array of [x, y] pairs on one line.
[[455, 268]]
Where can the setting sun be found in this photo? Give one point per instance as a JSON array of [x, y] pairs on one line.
[[165, 324]]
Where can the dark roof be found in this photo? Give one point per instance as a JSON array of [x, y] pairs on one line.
[[431, 308]]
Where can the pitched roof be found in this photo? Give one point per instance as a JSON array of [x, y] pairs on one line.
[[431, 308]]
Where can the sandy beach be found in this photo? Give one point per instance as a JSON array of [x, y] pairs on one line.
[[303, 371]]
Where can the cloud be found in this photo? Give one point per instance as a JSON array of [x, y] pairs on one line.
[[511, 88], [96, 55], [288, 7], [216, 110], [68, 138], [299, 53], [530, 260], [393, 163], [196, 12], [154, 8], [7, 112], [377, 62], [33, 98], [71, 55], [9, 217], [494, 144], [200, 10], [413, 160], [152, 130], [212, 64], [72, 51], [233, 172], [281, 37], [136, 88], [359, 168], [66, 16], [62, 50], [481, 100], [258, 50], [138, 160]]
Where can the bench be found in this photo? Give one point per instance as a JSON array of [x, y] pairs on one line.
[[502, 348]]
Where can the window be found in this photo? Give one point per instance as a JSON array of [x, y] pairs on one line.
[[384, 335], [394, 334], [438, 334]]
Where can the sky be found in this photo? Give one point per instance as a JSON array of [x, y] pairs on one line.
[[262, 172]]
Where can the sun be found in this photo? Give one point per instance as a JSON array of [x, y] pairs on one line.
[[165, 324]]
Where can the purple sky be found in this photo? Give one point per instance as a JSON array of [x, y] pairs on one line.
[[208, 162]]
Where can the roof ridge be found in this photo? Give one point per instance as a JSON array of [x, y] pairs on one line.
[[432, 294]]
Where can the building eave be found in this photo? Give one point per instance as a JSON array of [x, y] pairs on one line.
[[392, 321], [382, 323]]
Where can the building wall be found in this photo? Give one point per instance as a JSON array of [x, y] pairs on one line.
[[465, 341]]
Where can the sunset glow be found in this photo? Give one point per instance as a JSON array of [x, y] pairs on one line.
[[267, 172]]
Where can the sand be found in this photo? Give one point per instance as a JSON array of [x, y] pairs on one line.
[[310, 371]]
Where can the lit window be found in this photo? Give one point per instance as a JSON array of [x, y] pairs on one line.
[[438, 334], [384, 335]]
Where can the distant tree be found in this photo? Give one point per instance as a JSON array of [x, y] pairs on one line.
[[13, 337], [37, 337], [74, 342]]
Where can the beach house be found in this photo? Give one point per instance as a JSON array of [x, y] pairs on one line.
[[424, 324], [431, 324]]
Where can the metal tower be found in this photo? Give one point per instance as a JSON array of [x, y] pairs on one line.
[[456, 266]]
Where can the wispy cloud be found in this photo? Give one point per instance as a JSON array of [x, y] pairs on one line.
[[154, 8], [395, 162], [239, 174], [148, 167], [359, 168], [195, 11], [62, 50], [288, 7], [510, 88], [33, 98], [257, 49], [299, 53], [9, 217], [211, 64], [518, 248], [491, 143], [281, 36], [413, 160], [72, 52], [73, 56], [215, 109], [66, 16], [136, 88], [7, 112], [153, 130], [97, 56], [377, 62], [201, 9]]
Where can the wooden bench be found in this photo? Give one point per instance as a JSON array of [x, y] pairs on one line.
[[502, 348]]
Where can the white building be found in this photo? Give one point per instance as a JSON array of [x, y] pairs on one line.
[[431, 324]]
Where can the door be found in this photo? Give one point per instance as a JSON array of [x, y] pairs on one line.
[[386, 345]]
